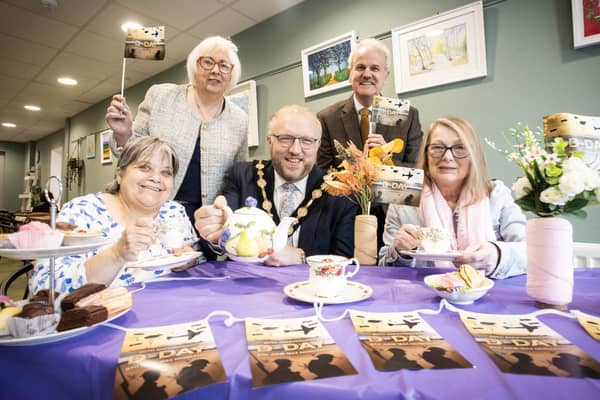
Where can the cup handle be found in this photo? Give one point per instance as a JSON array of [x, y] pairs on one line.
[[355, 262]]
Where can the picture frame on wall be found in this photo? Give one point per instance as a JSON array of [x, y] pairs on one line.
[[586, 23], [244, 96], [446, 48], [325, 65], [106, 153], [90, 146]]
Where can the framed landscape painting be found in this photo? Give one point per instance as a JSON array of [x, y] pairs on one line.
[[445, 48], [586, 22], [244, 96], [325, 65], [90, 146], [105, 152]]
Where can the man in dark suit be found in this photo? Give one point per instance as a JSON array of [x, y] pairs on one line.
[[369, 69], [369, 65], [325, 223]]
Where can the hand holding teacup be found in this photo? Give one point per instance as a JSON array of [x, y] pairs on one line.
[[135, 239], [327, 274]]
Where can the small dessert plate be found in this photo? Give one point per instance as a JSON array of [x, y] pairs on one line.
[[166, 262], [352, 292], [422, 255]]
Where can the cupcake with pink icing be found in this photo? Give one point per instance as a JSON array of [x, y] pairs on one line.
[[36, 235]]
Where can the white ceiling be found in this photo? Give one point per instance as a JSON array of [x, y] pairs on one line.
[[83, 39]]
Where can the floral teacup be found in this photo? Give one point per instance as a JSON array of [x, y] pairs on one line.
[[435, 240], [327, 274]]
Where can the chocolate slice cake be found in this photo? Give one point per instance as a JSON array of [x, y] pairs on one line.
[[42, 296], [32, 310], [81, 316], [70, 301]]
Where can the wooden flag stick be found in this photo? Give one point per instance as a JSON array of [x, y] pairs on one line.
[[123, 76]]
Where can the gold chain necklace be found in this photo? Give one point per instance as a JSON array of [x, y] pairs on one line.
[[267, 205], [199, 108]]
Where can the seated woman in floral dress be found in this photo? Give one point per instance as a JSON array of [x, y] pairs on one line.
[[128, 214]]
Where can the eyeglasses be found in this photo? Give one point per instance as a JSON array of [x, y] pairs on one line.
[[288, 141], [438, 150], [208, 63]]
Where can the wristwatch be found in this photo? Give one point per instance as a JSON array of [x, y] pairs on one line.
[[302, 256]]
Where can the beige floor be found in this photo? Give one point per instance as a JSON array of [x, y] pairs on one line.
[[8, 266]]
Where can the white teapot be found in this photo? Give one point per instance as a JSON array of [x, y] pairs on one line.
[[250, 235]]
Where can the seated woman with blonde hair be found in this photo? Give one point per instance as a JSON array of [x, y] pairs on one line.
[[479, 214], [128, 214]]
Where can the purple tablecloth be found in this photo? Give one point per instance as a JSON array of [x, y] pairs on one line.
[[83, 367]]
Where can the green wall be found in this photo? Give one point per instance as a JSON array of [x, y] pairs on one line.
[[533, 71], [15, 165]]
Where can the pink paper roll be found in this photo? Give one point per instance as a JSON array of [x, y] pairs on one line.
[[550, 260]]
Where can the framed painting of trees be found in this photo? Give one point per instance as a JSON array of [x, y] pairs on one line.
[[446, 48], [325, 65]]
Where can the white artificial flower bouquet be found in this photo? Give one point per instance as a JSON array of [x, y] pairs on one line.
[[556, 182]]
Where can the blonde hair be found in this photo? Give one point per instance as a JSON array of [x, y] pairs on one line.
[[477, 184]]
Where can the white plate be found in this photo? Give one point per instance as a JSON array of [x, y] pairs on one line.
[[53, 337], [353, 292], [32, 254], [458, 296], [430, 256], [166, 262], [79, 238]]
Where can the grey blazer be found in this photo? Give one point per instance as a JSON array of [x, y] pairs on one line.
[[340, 121], [166, 113]]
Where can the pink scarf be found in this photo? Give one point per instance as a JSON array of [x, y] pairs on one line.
[[474, 221]]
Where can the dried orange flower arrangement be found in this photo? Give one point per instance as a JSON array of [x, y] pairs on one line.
[[358, 171]]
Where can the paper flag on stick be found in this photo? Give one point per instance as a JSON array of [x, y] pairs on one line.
[[147, 43]]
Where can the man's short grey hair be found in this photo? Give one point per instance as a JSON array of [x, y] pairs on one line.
[[298, 110], [204, 47], [142, 148], [374, 44]]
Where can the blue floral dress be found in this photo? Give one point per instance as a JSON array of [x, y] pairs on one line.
[[89, 213]]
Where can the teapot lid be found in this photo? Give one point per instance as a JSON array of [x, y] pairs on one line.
[[250, 208]]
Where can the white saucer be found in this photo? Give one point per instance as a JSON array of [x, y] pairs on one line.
[[32, 254], [166, 262], [254, 260], [53, 337], [422, 255], [353, 292]]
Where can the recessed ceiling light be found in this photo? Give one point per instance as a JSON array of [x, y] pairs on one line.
[[9, 125], [130, 25], [31, 107], [67, 81]]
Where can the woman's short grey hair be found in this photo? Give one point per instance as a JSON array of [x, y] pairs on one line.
[[207, 45], [374, 44], [142, 148]]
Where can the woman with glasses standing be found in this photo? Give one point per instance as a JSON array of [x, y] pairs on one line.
[[479, 215], [207, 131]]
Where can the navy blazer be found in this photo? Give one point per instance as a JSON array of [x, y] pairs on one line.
[[327, 229]]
